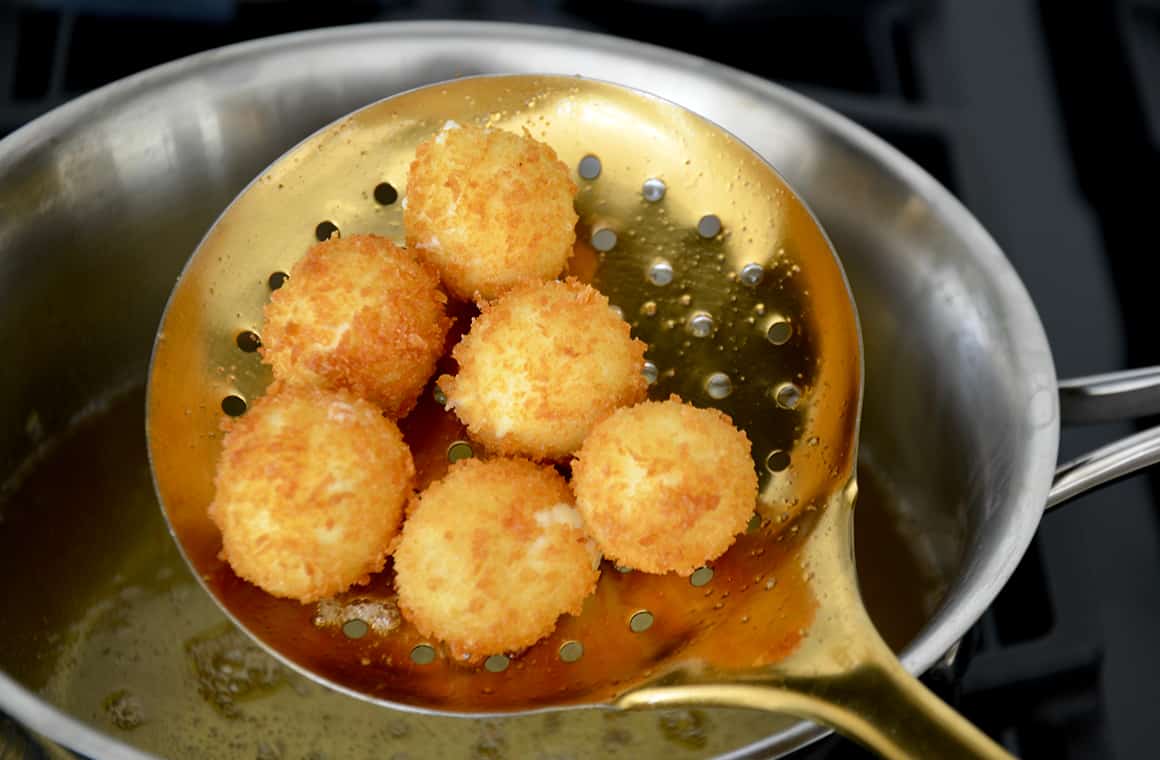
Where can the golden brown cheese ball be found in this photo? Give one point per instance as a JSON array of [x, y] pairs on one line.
[[310, 489], [540, 366], [664, 486], [361, 314], [489, 209], [492, 555]]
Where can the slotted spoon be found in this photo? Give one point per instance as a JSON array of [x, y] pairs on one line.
[[724, 272]]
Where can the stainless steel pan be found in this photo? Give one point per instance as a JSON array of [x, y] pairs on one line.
[[102, 200]]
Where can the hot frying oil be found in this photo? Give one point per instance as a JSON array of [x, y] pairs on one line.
[[103, 619]]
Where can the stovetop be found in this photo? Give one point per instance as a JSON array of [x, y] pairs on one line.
[[1043, 117]]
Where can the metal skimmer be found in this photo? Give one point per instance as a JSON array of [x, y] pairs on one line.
[[723, 271]]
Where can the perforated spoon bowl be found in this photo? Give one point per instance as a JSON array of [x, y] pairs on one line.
[[724, 272]]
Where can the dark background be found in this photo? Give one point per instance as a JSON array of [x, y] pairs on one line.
[[1043, 117]]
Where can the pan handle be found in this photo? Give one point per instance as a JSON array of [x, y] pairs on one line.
[[1104, 398], [1111, 397]]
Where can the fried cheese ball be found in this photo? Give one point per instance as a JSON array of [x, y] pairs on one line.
[[309, 492], [492, 555], [361, 314], [664, 486], [489, 209], [540, 366]]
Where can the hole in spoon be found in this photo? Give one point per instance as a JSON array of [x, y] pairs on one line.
[[325, 230], [385, 194], [355, 629], [589, 167], [640, 621], [701, 576], [497, 663], [752, 274], [653, 190], [779, 331], [787, 395], [459, 450], [571, 651], [700, 324], [718, 385], [777, 461], [277, 280], [650, 372], [423, 654], [660, 272], [604, 239], [249, 341], [234, 406], [709, 226]]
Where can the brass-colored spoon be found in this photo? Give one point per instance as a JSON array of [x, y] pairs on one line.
[[723, 271]]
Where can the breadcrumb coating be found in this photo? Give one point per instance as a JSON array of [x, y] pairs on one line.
[[540, 366], [361, 314], [664, 486], [309, 492], [492, 555], [489, 209]]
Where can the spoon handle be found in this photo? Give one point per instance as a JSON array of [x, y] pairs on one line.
[[843, 674], [875, 702], [884, 707]]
